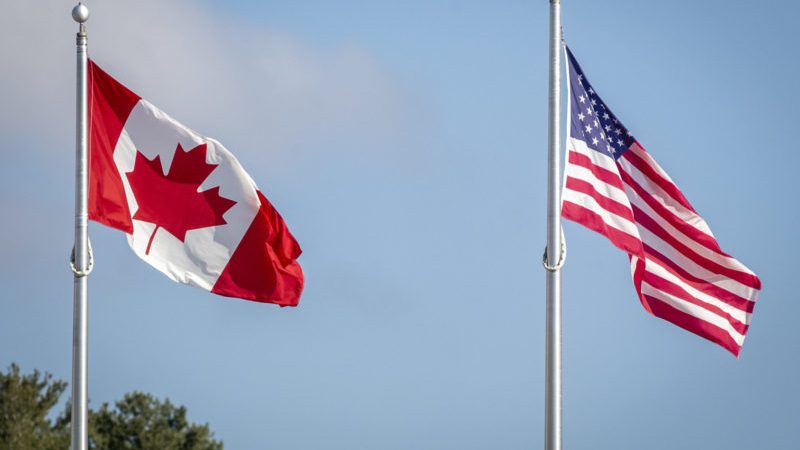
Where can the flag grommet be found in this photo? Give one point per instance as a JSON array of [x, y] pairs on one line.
[[561, 258], [82, 273]]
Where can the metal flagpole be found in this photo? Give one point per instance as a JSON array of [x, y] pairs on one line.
[[555, 252], [81, 259]]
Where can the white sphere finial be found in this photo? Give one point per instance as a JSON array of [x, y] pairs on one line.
[[80, 13]]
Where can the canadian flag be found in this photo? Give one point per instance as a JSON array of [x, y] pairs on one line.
[[188, 207]]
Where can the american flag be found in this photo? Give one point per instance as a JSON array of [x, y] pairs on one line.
[[614, 187]]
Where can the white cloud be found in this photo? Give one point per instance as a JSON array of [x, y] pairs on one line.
[[266, 88], [273, 100]]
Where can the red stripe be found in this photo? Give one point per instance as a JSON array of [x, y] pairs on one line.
[[110, 104], [698, 283], [594, 221], [610, 205], [638, 275], [674, 290], [600, 173], [690, 231], [264, 265], [637, 161], [690, 323], [650, 224]]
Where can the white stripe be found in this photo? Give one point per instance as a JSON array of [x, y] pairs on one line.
[[612, 220], [634, 260], [608, 190], [599, 159], [639, 151], [694, 311], [203, 254], [655, 191], [693, 268], [723, 260], [656, 269]]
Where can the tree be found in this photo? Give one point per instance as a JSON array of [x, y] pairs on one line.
[[137, 422], [25, 402], [142, 422]]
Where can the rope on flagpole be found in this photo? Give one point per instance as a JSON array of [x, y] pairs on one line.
[[561, 258], [82, 273]]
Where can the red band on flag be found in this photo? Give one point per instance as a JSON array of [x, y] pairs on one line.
[[110, 103], [264, 271]]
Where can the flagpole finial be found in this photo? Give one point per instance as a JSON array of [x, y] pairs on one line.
[[80, 13]]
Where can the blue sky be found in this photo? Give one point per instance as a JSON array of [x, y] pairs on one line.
[[405, 145]]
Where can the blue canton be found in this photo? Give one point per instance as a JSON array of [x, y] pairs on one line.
[[592, 121]]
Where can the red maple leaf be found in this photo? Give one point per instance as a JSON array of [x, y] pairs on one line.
[[172, 201]]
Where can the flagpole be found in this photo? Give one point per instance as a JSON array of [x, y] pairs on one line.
[[81, 264], [554, 252]]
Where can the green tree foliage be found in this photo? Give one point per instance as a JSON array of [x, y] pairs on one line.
[[142, 422], [25, 402], [137, 422]]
